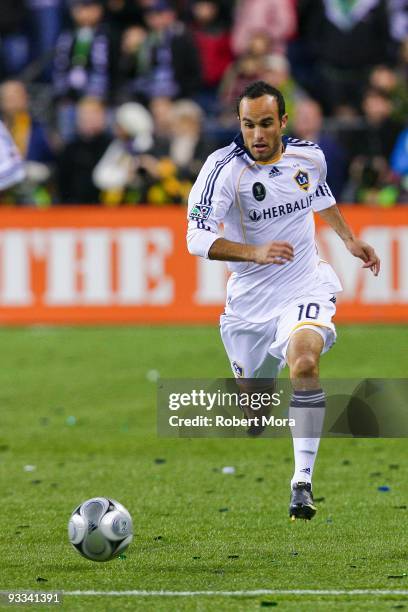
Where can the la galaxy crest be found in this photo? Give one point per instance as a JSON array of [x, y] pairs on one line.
[[238, 369], [259, 191], [302, 179]]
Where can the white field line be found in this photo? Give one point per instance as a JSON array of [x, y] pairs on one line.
[[312, 592]]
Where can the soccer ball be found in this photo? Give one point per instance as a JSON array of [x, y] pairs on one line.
[[100, 529]]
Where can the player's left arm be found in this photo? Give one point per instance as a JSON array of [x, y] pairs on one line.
[[357, 247]]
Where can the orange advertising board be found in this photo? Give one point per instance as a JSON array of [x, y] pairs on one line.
[[93, 266]]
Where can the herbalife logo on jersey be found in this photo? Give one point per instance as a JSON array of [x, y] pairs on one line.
[[255, 215], [275, 172], [283, 209]]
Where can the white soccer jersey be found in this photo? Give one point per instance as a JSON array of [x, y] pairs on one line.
[[258, 203], [11, 165]]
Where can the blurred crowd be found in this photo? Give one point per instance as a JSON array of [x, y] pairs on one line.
[[116, 102]]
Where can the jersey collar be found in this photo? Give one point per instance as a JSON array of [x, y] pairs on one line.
[[239, 141]]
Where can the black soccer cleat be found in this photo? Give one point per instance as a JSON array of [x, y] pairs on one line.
[[301, 502], [254, 431]]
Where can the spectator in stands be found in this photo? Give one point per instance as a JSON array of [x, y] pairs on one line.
[[189, 146], [371, 148], [45, 25], [256, 63], [380, 130], [125, 171], [130, 49], [371, 183], [278, 74], [121, 16], [308, 125], [166, 62], [32, 143], [185, 145], [78, 159], [180, 155], [82, 62], [14, 44], [161, 109], [259, 45], [277, 18], [346, 40], [213, 42], [386, 79], [248, 67]]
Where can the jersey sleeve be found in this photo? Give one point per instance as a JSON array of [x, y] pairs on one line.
[[209, 202], [11, 165], [323, 195]]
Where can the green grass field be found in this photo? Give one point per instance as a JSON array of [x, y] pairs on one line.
[[358, 540]]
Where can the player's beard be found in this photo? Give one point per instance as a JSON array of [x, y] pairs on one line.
[[270, 152]]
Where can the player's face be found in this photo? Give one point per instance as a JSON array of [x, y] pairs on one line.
[[261, 127]]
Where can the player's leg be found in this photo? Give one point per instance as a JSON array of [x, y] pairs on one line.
[[304, 331], [307, 409], [303, 357], [254, 368], [250, 391]]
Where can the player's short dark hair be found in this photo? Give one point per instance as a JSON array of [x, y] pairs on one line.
[[262, 88]]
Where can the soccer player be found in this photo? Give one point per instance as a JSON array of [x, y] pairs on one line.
[[264, 189]]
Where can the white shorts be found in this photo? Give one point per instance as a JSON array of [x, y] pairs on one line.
[[258, 350]]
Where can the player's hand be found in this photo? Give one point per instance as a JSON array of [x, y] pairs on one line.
[[364, 251], [273, 253]]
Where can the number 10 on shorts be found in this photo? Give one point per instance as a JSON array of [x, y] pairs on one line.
[[311, 311]]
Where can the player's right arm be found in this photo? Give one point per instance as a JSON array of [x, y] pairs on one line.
[[271, 253], [210, 199], [11, 165]]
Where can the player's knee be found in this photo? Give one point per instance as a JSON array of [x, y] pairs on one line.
[[305, 365]]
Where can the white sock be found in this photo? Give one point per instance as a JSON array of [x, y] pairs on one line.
[[308, 409]]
